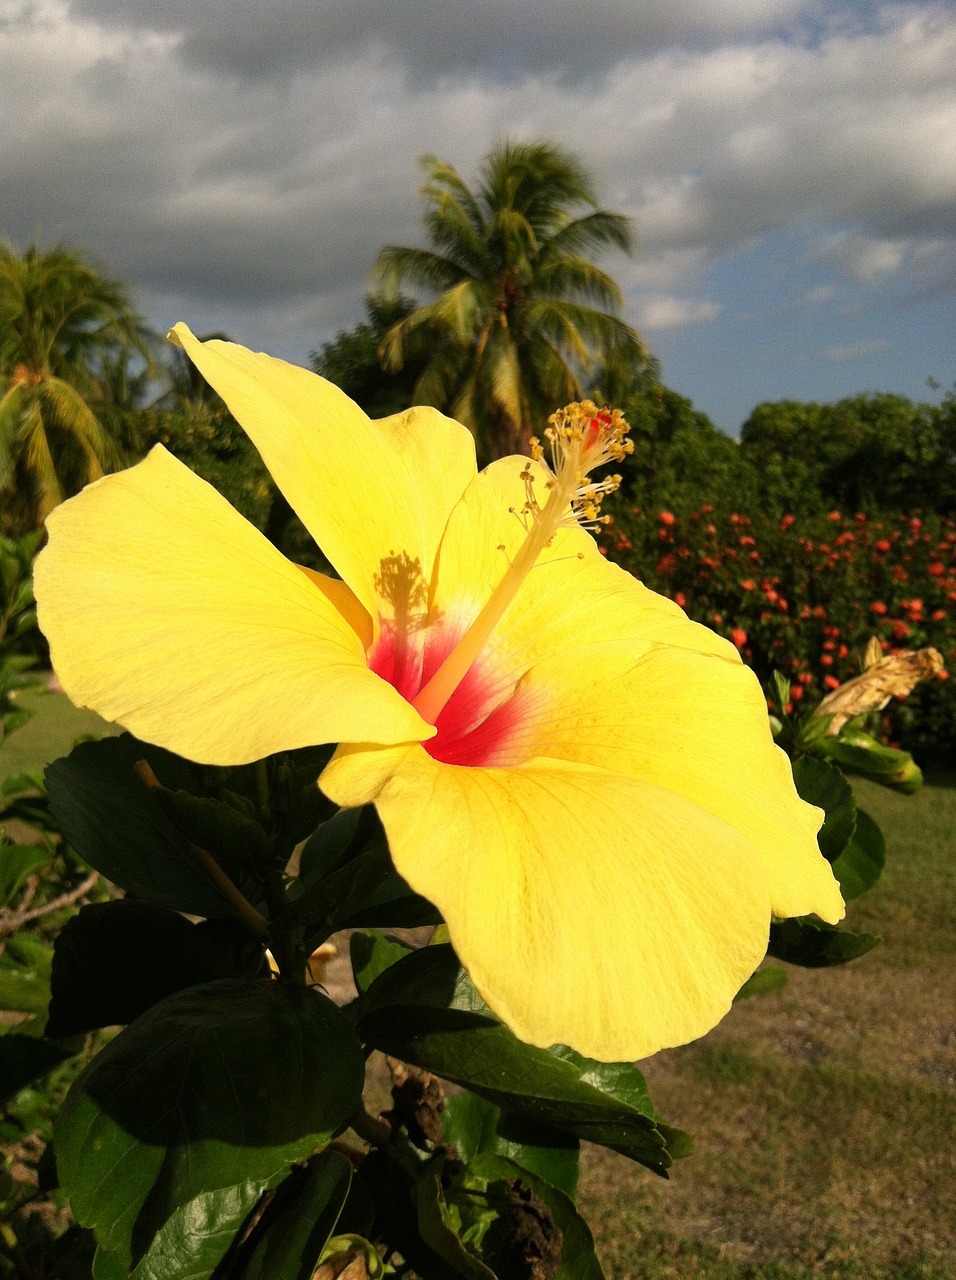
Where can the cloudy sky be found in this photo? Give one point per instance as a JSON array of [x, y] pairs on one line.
[[791, 164]]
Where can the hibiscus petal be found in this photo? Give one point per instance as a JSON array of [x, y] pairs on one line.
[[374, 495], [168, 612], [573, 597], [693, 724], [590, 908], [613, 674]]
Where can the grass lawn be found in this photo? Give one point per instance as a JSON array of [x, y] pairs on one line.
[[825, 1113]]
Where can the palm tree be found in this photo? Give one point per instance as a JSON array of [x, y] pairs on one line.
[[63, 326], [522, 313]]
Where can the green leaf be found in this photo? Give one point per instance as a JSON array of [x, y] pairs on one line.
[[506, 1221], [859, 752], [442, 1226], [337, 841], [216, 1086], [349, 881], [475, 1127], [29, 950], [824, 785], [23, 990], [17, 862], [197, 1236], [296, 805], [108, 1266], [770, 978], [301, 1220], [114, 960], [118, 825], [24, 1059], [860, 865], [29, 780], [230, 836], [815, 945], [389, 904], [371, 954], [192, 1243], [425, 1010], [781, 690]]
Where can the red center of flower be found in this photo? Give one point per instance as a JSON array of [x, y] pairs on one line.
[[481, 722]]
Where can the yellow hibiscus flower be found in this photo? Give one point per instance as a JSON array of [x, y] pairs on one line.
[[580, 778]]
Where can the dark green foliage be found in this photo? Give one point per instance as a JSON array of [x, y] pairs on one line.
[[205, 436], [300, 1220], [824, 785], [115, 960], [474, 1126], [19, 637], [118, 824], [868, 453], [815, 945], [680, 458], [424, 1010], [351, 360], [217, 1089]]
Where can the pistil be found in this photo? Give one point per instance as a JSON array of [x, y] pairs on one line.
[[581, 437]]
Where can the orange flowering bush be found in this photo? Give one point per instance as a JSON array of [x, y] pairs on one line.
[[803, 594]]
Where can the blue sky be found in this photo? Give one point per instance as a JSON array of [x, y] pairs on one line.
[[791, 164]]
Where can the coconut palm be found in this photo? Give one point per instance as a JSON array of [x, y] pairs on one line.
[[63, 324], [522, 312]]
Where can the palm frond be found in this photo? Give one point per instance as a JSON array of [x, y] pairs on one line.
[[599, 229], [72, 415], [517, 291], [397, 265], [39, 459], [576, 278], [12, 405], [76, 339], [585, 331], [441, 380], [393, 346]]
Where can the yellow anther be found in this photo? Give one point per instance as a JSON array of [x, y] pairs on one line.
[[583, 437]]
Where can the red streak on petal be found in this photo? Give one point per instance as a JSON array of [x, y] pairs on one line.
[[480, 723]]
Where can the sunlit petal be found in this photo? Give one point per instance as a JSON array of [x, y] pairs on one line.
[[372, 494], [168, 612], [593, 909], [572, 598], [697, 726]]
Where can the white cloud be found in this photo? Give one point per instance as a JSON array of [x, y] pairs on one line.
[[862, 257], [435, 38], [675, 313], [252, 159], [816, 296], [851, 352]]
